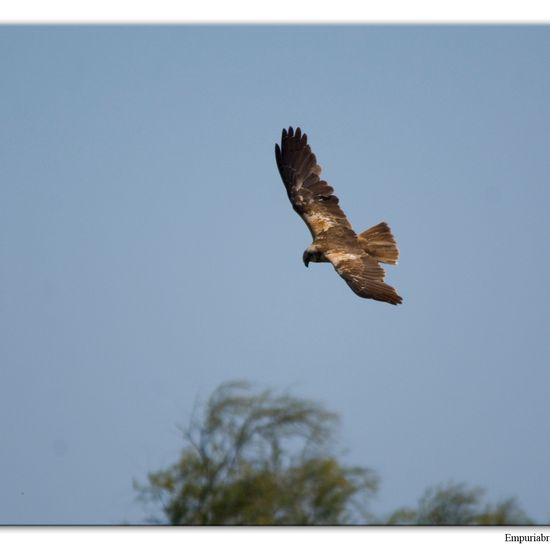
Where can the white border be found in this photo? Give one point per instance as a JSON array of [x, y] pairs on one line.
[[274, 11], [270, 538]]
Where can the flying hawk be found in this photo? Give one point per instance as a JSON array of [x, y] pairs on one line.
[[355, 257]]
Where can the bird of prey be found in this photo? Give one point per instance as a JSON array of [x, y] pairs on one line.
[[355, 257]]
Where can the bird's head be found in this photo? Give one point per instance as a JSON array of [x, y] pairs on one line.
[[313, 254]]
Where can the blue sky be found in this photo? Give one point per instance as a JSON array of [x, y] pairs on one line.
[[150, 252]]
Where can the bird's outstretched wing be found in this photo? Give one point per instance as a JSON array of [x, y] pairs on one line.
[[363, 274], [311, 197]]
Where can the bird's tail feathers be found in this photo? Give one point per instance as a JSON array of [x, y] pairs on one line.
[[379, 243]]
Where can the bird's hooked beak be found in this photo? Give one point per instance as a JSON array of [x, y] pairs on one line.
[[305, 258]]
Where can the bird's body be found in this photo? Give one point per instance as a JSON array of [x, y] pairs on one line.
[[355, 257]]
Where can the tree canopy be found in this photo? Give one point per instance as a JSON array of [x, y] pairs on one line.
[[456, 504], [254, 457], [258, 458]]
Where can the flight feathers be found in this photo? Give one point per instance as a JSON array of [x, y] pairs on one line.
[[311, 197]]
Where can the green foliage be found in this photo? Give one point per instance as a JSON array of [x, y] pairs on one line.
[[506, 512], [260, 459], [256, 458], [455, 504]]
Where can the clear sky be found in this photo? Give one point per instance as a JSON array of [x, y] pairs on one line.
[[149, 252]]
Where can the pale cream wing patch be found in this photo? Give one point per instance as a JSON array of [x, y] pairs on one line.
[[319, 221], [364, 275]]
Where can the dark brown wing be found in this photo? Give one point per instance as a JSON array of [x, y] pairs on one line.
[[311, 197], [362, 273]]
